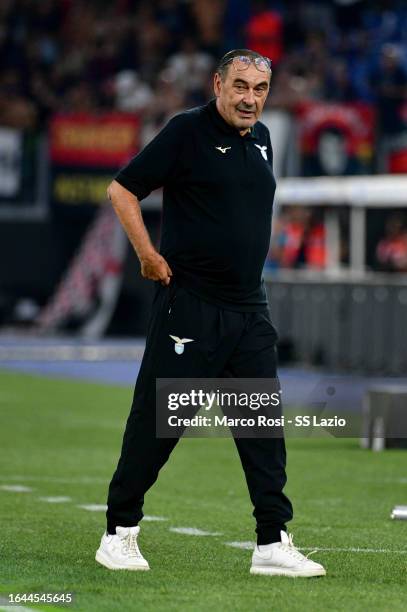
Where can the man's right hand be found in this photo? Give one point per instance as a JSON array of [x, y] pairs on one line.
[[154, 267], [127, 207]]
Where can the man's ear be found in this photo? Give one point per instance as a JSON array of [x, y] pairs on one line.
[[217, 84]]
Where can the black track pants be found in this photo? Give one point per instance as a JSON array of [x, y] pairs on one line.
[[226, 343]]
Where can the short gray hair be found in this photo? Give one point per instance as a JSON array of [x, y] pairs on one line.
[[225, 61]]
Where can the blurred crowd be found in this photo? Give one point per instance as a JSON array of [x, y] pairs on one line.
[[391, 251], [299, 240], [157, 56]]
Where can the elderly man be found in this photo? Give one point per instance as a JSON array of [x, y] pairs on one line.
[[215, 165]]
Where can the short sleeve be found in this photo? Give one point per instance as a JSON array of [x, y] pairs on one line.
[[156, 164]]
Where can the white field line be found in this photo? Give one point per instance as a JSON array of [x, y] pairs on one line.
[[61, 499], [250, 546], [16, 488], [103, 508], [193, 531], [64, 499], [104, 481], [14, 608], [5, 606], [359, 550], [243, 545], [93, 507], [56, 479]]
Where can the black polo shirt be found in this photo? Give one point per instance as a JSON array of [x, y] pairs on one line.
[[217, 204]]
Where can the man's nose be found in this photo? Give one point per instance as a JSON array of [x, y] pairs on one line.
[[249, 97]]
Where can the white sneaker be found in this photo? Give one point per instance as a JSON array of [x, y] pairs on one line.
[[284, 559], [120, 551]]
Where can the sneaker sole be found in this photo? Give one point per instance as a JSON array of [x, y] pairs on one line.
[[106, 562], [278, 571]]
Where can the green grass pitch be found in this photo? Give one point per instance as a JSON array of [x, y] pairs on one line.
[[64, 437]]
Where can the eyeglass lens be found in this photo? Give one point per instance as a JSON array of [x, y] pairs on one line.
[[243, 62]]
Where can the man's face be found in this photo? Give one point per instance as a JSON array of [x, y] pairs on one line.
[[241, 96]]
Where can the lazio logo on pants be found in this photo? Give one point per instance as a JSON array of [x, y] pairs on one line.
[[179, 344]]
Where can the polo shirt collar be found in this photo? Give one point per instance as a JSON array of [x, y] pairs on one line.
[[224, 126]]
